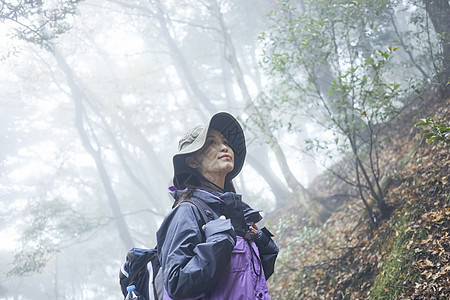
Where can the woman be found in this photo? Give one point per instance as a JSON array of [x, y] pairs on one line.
[[228, 257]]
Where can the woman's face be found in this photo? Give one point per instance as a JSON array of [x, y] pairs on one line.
[[215, 160]]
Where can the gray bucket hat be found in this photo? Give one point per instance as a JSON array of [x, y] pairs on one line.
[[195, 138]]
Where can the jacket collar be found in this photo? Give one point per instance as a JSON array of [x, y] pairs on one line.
[[207, 195], [214, 197]]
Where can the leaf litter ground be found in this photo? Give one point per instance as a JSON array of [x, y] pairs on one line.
[[405, 257]]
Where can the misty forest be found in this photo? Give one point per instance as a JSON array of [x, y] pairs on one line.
[[345, 107]]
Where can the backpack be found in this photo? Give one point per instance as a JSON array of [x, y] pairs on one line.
[[141, 267]]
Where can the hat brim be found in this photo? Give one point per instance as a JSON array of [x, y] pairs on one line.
[[230, 129]]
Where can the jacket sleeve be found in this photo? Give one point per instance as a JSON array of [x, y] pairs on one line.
[[268, 250], [192, 260]]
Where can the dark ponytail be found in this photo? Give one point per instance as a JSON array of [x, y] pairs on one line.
[[186, 195]]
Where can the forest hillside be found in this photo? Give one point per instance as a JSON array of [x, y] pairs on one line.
[[405, 256]]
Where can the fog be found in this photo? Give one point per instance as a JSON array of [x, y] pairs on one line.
[[94, 96], [88, 132]]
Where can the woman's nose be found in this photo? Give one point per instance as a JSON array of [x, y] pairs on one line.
[[224, 148]]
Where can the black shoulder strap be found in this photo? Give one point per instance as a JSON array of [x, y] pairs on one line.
[[203, 208]]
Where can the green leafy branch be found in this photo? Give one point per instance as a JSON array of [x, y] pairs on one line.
[[434, 131]]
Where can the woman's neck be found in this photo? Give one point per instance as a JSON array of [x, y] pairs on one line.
[[212, 185]]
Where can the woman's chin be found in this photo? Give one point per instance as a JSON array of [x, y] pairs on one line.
[[229, 168]]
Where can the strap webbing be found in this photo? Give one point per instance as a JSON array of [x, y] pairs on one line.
[[203, 208]]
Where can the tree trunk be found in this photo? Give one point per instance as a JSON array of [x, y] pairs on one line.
[[278, 188], [439, 13], [78, 96], [300, 193], [141, 141], [184, 72], [180, 62]]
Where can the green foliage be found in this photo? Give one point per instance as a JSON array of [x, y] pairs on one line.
[[328, 65], [300, 238], [306, 235], [319, 59], [40, 22], [434, 131], [396, 272], [365, 92], [51, 225]]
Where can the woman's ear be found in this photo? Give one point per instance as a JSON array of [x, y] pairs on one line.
[[192, 162]]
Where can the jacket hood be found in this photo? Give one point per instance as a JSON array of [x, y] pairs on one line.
[[215, 198], [208, 196]]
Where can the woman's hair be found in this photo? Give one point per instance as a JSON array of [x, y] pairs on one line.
[[197, 181], [186, 195]]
